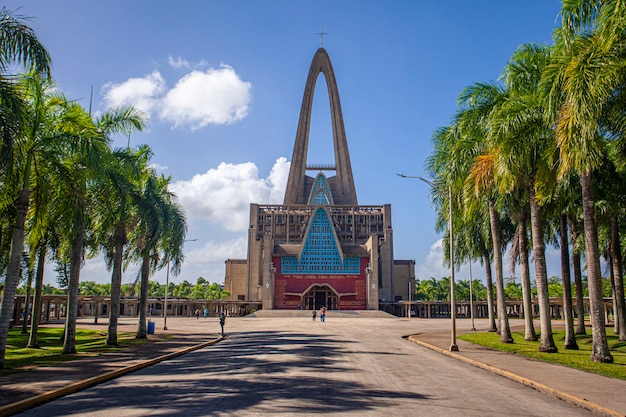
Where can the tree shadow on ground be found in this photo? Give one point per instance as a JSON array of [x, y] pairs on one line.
[[268, 372]]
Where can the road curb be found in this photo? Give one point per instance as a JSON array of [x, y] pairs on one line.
[[27, 404], [571, 399]]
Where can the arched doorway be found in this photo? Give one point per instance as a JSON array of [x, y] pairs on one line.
[[319, 296]]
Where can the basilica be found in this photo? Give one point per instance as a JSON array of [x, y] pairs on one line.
[[320, 248]]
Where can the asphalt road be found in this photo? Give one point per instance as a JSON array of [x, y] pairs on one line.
[[294, 366]]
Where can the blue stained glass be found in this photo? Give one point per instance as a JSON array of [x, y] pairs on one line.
[[321, 253], [320, 199], [320, 193]]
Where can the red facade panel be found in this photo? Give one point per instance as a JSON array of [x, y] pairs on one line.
[[351, 290]]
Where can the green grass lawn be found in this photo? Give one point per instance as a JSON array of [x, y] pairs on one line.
[[88, 343], [578, 359]]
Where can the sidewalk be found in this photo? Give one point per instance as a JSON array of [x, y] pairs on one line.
[[40, 384], [600, 394]]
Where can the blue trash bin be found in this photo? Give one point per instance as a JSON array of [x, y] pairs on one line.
[[150, 327]]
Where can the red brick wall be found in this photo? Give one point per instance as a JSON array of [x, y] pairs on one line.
[[342, 284]]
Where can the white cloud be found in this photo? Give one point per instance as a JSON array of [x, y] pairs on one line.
[[159, 167], [199, 98], [217, 252], [143, 93], [278, 180], [223, 195], [178, 62], [432, 266]]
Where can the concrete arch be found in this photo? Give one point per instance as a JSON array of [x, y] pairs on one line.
[[334, 231], [314, 192], [344, 191], [321, 285]]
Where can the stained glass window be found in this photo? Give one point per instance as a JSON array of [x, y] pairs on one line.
[[320, 254], [320, 193]]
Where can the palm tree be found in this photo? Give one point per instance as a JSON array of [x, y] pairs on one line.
[[610, 182], [428, 288], [455, 149], [183, 289], [36, 146], [158, 238], [41, 237], [522, 140], [87, 163], [85, 154], [27, 271], [118, 220], [477, 102], [216, 292], [33, 339], [583, 79], [473, 236], [521, 247], [570, 336], [19, 45], [609, 187], [575, 239], [117, 194]]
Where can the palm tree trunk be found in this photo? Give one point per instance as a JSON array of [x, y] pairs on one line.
[[599, 345], [578, 282], [69, 343], [541, 276], [33, 340], [609, 259], [143, 298], [491, 325], [29, 284], [503, 318], [116, 283], [616, 251], [529, 326], [13, 271], [566, 276]]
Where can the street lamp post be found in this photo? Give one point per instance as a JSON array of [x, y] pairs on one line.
[[167, 288], [471, 297], [453, 346]]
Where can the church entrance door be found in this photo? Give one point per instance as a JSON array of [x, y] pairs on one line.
[[320, 296]]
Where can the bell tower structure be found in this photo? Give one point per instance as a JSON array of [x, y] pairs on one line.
[[342, 184]]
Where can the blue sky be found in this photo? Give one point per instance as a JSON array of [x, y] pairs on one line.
[[222, 82]]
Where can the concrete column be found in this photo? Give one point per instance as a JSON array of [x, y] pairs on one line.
[[372, 273], [268, 270], [253, 252]]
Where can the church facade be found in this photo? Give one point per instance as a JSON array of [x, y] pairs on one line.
[[320, 247]]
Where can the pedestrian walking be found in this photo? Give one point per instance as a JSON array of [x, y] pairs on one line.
[[322, 314], [222, 322], [206, 312], [314, 314], [197, 313]]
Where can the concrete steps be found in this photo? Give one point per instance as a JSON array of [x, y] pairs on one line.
[[329, 314]]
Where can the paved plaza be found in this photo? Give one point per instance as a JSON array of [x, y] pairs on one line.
[[353, 365]]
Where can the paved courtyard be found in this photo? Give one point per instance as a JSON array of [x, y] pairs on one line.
[[358, 366]]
